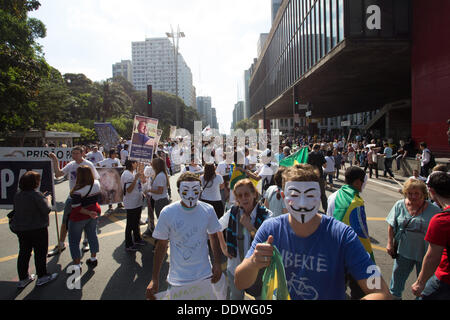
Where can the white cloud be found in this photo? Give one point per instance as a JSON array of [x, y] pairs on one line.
[[88, 36]]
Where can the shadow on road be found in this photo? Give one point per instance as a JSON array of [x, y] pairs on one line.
[[130, 280], [8, 290]]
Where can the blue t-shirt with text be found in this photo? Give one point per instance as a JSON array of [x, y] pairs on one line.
[[316, 266]]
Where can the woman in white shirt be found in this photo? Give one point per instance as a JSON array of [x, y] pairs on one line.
[[272, 197], [158, 193], [212, 183], [132, 200]]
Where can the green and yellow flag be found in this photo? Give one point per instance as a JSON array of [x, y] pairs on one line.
[[236, 175], [274, 279], [349, 208], [300, 156]]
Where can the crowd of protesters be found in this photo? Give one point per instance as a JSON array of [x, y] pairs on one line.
[[240, 221]]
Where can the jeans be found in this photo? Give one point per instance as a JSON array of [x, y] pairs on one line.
[[387, 167], [36, 240], [233, 293], [76, 229], [435, 289], [132, 228], [424, 170], [400, 273], [373, 166], [330, 177]]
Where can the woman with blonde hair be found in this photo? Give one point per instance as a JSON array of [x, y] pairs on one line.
[[408, 224], [240, 224], [85, 211]]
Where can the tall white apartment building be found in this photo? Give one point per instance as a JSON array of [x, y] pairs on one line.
[[154, 63]]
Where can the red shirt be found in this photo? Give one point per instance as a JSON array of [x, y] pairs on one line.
[[439, 234], [76, 215]]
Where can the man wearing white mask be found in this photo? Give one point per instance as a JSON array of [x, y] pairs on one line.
[[346, 205], [317, 250], [186, 224]]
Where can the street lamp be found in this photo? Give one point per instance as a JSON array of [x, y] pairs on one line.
[[175, 40]]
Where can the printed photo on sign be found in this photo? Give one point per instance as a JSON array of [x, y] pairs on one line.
[[143, 139], [110, 186]]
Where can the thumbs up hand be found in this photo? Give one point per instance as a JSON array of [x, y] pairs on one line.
[[262, 256]]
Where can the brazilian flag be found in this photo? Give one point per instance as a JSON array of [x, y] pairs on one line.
[[300, 156], [349, 208], [274, 279], [236, 175]]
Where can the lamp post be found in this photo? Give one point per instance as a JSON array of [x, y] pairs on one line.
[[175, 40]]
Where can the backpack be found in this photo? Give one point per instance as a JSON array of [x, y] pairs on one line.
[[10, 217], [432, 162]]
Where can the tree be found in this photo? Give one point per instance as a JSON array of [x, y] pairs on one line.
[[246, 124], [114, 101], [21, 64], [53, 100]]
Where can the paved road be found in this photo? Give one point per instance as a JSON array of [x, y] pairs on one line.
[[122, 275]]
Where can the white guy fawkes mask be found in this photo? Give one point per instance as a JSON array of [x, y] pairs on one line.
[[190, 193], [302, 199]]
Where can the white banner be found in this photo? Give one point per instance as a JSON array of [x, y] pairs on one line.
[[64, 155], [201, 290]]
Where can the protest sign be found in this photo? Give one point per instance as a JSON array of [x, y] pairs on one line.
[[11, 170], [201, 290], [110, 187], [64, 155], [107, 135], [173, 131], [143, 139]]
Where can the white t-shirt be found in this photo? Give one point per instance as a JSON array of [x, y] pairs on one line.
[[71, 170], [197, 169], [94, 157], [266, 172], [331, 203], [133, 199], [224, 221], [123, 156], [223, 168], [211, 190], [109, 163], [187, 231], [160, 181], [330, 165]]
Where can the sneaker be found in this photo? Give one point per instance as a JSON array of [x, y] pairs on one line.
[[140, 243], [141, 223], [23, 283], [132, 249], [91, 263], [46, 279], [85, 246], [55, 251]]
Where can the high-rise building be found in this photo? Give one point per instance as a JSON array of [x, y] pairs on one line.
[[123, 68], [261, 42], [204, 109], [154, 63], [215, 124], [246, 94], [276, 4]]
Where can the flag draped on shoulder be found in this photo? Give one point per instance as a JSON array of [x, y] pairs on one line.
[[300, 156], [349, 208], [236, 175], [274, 279]]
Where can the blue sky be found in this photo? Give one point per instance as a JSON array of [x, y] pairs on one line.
[[88, 36]]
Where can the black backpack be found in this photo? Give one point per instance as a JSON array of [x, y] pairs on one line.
[[432, 162]]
